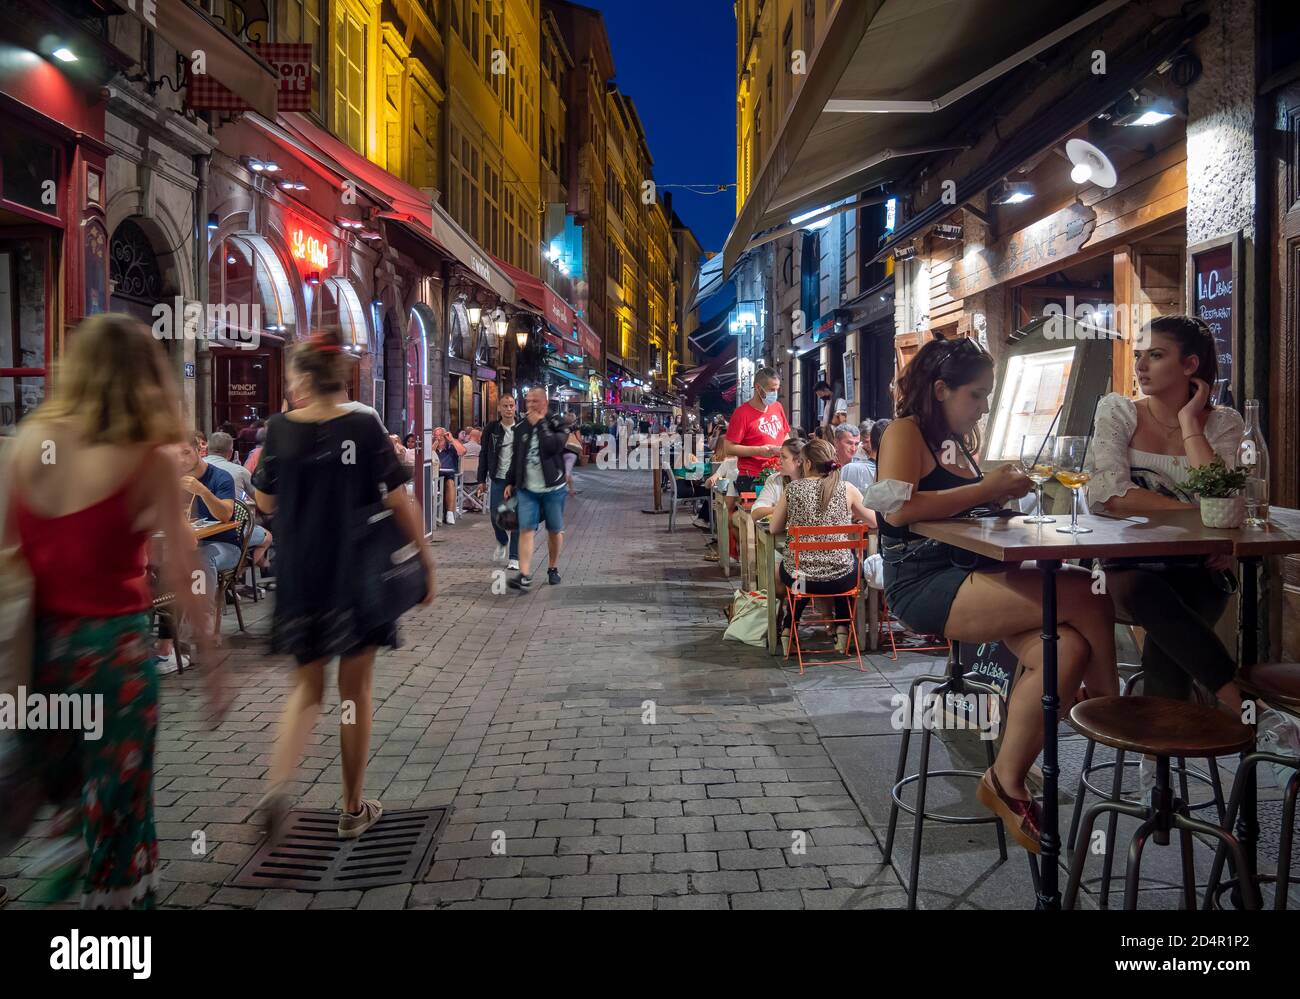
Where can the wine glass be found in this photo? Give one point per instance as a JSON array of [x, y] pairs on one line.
[[1038, 462], [1070, 455]]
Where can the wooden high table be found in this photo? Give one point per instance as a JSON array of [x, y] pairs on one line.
[[1012, 540]]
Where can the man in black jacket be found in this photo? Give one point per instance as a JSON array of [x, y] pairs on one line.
[[537, 478], [494, 464]]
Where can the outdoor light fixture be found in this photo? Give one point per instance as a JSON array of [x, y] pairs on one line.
[[1012, 192], [521, 334], [1090, 164], [819, 224], [475, 313], [214, 223], [292, 185], [948, 231], [313, 278], [501, 325], [64, 54], [350, 223], [230, 259], [1145, 111]]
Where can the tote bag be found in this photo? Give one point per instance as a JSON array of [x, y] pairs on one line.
[[748, 618]]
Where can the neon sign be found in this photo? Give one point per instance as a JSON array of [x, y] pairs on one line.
[[310, 249]]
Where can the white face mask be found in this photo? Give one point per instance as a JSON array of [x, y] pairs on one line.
[[770, 398]]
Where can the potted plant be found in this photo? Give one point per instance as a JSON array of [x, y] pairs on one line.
[[1219, 489]]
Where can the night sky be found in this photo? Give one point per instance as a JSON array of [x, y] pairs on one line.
[[677, 60]]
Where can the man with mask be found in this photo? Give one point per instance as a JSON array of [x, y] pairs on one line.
[[757, 428]]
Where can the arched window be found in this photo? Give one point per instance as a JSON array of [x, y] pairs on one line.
[[248, 289]]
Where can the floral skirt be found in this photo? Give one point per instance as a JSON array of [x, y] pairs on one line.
[[107, 664]]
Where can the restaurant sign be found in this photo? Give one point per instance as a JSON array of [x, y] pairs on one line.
[[309, 250], [1041, 246]]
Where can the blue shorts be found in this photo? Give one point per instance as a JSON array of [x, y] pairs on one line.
[[536, 507]]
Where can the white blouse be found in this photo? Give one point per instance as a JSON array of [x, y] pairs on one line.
[[770, 495], [1116, 467]]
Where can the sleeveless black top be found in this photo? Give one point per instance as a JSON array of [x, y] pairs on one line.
[[933, 481]]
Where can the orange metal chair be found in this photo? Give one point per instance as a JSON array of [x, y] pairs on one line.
[[803, 540]]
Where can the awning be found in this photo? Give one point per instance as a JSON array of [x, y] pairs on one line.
[[916, 65], [568, 376], [590, 341], [187, 29], [715, 315], [407, 206], [705, 374]]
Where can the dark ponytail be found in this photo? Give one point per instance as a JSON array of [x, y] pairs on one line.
[[1194, 339], [955, 362]]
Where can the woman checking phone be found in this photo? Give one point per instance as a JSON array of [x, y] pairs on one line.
[[936, 589]]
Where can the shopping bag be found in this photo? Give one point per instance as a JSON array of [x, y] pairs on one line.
[[748, 618]]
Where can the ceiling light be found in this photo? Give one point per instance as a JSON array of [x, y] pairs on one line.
[[64, 54], [230, 259], [1090, 164], [214, 223], [1012, 192]]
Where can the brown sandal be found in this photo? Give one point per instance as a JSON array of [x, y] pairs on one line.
[[1022, 819]]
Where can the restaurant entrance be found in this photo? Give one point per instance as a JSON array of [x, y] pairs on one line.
[[246, 383]]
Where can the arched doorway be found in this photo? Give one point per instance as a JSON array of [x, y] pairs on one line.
[[138, 283]]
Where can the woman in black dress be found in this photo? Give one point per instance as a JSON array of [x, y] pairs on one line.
[[938, 590], [321, 467]]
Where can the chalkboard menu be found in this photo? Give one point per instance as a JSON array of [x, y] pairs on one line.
[[992, 663], [1212, 293]]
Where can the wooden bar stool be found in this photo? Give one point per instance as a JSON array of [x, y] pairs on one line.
[[1155, 726], [1278, 685], [1117, 768]]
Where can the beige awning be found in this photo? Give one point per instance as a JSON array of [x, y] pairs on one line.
[[189, 29], [893, 80]]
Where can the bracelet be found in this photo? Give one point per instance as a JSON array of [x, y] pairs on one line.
[[1193, 437]]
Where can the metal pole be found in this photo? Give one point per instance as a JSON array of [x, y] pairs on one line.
[[1049, 898]]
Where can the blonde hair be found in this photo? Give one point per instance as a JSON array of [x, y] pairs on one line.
[[113, 381], [819, 456]]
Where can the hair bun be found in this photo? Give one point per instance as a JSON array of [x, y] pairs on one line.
[[325, 342]]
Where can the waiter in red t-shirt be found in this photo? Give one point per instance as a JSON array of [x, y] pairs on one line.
[[757, 429]]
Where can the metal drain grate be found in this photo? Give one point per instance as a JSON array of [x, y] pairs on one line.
[[311, 857]]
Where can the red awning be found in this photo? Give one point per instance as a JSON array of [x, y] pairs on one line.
[[410, 206], [705, 374], [590, 341], [545, 300]]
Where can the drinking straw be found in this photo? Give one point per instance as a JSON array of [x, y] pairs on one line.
[[1048, 436]]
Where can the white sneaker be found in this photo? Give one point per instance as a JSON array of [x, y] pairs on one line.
[[1146, 775], [513, 564], [450, 518], [500, 552], [1276, 733]]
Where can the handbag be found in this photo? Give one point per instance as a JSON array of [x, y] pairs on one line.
[[391, 578], [748, 618]]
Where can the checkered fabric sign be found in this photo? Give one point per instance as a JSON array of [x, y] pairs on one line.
[[292, 62]]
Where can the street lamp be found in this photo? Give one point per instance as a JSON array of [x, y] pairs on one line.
[[475, 312], [501, 325], [521, 336]]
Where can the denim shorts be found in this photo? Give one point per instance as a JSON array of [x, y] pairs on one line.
[[921, 583], [536, 507]]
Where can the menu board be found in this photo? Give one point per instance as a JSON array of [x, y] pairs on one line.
[[993, 663], [1213, 278], [1034, 390]]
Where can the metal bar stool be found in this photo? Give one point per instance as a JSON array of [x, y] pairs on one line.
[[953, 682], [1278, 684], [1117, 768], [1155, 726]]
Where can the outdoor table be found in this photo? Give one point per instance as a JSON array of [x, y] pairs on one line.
[[747, 530], [721, 530], [1012, 540], [211, 530]]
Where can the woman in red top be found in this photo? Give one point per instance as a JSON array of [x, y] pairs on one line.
[[90, 485]]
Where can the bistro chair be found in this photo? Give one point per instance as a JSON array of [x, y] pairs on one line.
[[227, 582], [802, 541], [467, 486], [1278, 684], [1165, 729], [164, 608]]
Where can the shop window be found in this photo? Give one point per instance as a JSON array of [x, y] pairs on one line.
[[350, 79], [338, 308], [26, 280], [300, 21], [28, 168], [248, 289]]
